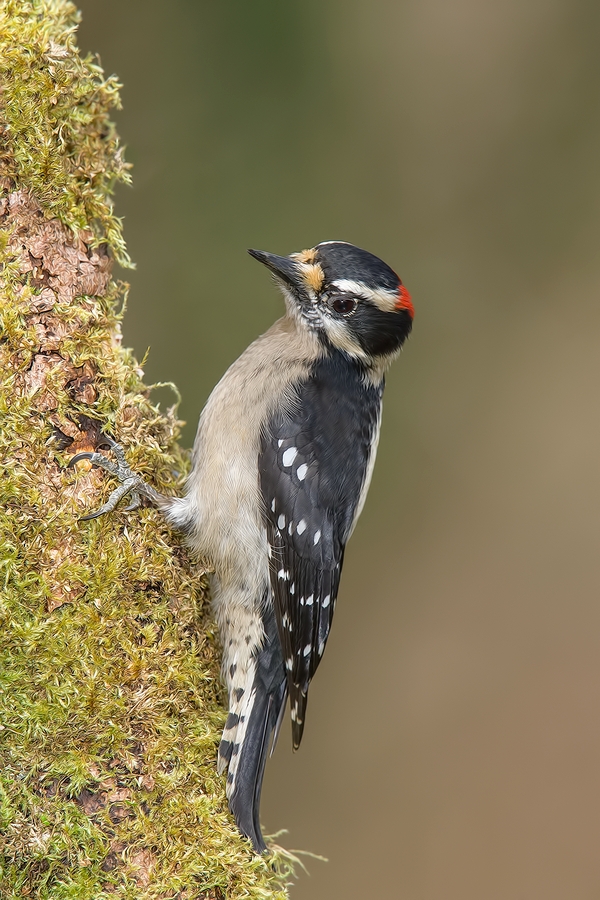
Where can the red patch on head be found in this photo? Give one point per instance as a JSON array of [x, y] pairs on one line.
[[404, 301]]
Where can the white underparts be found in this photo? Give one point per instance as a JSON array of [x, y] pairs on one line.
[[222, 512]]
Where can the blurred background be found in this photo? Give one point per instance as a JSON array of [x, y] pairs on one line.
[[453, 740]]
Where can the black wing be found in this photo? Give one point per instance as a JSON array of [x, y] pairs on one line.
[[312, 465]]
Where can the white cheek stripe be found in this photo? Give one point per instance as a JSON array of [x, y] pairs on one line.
[[340, 336]]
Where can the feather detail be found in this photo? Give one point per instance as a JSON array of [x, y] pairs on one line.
[[315, 463]]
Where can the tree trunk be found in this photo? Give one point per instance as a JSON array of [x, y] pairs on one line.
[[110, 698]]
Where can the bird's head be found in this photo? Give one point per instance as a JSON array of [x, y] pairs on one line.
[[350, 298]]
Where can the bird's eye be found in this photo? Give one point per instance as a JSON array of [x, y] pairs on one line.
[[342, 304]]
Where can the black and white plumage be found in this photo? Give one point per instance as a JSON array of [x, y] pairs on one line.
[[312, 466], [281, 465]]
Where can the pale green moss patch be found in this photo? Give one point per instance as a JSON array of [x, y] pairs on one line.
[[110, 697], [59, 139]]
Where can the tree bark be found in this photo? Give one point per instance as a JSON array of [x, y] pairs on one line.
[[110, 697]]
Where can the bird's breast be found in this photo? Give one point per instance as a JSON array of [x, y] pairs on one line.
[[223, 503]]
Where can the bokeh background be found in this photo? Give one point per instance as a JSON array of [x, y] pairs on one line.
[[453, 740]]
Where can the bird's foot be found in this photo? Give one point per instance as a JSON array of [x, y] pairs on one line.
[[130, 482]]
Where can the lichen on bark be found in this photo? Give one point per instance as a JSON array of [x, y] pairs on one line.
[[110, 697]]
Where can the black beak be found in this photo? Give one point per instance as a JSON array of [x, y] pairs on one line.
[[282, 266]]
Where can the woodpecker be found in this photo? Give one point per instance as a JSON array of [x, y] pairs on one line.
[[281, 465]]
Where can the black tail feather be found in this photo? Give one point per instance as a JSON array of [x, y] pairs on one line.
[[298, 700]]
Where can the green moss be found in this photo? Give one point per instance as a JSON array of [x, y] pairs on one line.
[[60, 141], [110, 696]]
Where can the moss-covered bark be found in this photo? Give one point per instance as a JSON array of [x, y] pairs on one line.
[[109, 688]]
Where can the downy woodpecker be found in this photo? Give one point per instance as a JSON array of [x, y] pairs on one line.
[[281, 466]]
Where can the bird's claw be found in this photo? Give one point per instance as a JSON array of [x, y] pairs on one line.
[[96, 459], [130, 482], [136, 501]]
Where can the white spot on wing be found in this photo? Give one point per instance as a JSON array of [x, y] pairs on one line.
[[283, 575], [301, 472], [273, 505], [309, 600], [281, 521], [289, 456], [301, 526], [317, 538], [326, 601], [307, 650]]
